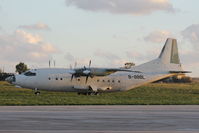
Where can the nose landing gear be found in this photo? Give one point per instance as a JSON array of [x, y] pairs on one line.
[[37, 92]]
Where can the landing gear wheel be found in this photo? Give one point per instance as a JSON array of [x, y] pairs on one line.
[[89, 93], [37, 93], [93, 93], [96, 93]]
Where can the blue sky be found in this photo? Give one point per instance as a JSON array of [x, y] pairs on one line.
[[109, 32]]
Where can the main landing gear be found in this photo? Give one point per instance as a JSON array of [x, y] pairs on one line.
[[88, 93], [37, 92]]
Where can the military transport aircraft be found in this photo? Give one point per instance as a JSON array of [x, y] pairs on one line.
[[91, 81]]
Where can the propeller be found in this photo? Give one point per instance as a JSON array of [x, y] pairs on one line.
[[87, 72], [72, 71], [89, 64], [80, 72], [72, 77], [75, 65]]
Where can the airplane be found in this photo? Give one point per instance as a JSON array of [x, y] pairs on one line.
[[92, 81]]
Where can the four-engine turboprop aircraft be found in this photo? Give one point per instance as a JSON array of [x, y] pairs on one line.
[[94, 80]]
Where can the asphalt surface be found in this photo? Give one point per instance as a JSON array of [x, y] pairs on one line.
[[100, 119]]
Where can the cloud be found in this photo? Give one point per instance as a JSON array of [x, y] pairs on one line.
[[118, 63], [24, 46], [133, 7], [190, 57], [38, 26], [80, 62], [25, 37], [158, 36], [191, 33], [110, 59], [48, 48], [132, 54], [141, 57], [69, 57], [106, 55], [190, 62]]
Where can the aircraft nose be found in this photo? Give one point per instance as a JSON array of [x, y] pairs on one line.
[[11, 79]]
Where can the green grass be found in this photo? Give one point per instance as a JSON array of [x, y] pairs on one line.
[[152, 94]]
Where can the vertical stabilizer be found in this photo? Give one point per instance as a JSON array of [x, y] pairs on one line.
[[169, 53]]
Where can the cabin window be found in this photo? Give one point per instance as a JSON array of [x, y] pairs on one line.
[[108, 80], [29, 73], [103, 80], [49, 78], [113, 81], [61, 78], [56, 78], [78, 79], [118, 81], [98, 80]]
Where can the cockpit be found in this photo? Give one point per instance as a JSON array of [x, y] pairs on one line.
[[29, 73]]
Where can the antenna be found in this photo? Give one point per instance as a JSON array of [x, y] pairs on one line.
[[70, 66], [54, 63], [75, 65], [49, 63]]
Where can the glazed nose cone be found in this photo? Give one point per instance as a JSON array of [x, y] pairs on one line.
[[11, 79]]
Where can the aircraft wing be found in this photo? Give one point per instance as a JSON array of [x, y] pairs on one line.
[[179, 71], [98, 71], [112, 70]]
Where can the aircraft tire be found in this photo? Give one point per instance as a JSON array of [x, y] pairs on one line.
[[96, 93], [37, 93]]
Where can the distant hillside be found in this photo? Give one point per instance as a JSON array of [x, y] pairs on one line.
[[195, 80], [176, 79]]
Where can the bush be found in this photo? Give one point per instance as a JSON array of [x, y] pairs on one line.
[[3, 76]]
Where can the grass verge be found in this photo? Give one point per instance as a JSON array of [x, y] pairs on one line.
[[152, 94]]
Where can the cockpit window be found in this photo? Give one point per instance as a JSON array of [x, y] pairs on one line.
[[29, 73]]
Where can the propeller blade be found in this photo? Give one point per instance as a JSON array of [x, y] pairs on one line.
[[73, 72], [89, 64], [71, 77], [86, 79]]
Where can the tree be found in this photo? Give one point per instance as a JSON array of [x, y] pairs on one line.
[[21, 67]]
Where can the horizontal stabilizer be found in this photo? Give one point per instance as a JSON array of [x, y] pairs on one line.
[[179, 71]]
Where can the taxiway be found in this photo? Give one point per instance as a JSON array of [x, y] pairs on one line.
[[89, 119]]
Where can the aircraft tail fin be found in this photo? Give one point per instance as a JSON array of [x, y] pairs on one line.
[[169, 53], [167, 61]]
